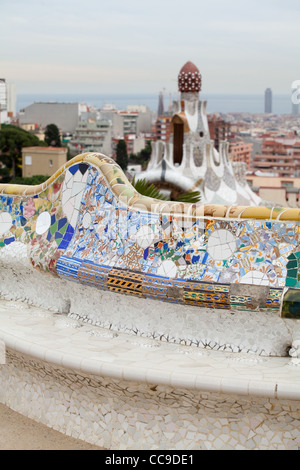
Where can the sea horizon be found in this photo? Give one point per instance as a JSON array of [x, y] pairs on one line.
[[216, 103]]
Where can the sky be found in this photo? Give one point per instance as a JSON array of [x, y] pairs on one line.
[[133, 46]]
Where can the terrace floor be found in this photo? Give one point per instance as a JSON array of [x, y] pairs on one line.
[[20, 433]]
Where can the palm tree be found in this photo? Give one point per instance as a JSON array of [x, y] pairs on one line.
[[148, 189]]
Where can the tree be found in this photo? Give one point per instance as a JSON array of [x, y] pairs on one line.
[[121, 156], [142, 157], [52, 136], [145, 154], [12, 140]]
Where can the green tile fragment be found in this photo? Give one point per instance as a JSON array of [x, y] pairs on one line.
[[64, 228], [292, 273], [292, 264], [291, 282], [54, 228]]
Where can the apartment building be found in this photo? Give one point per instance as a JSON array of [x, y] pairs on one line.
[[92, 137], [240, 151], [218, 129], [163, 128], [279, 156]]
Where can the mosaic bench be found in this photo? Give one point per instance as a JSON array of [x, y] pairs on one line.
[[205, 275], [95, 364]]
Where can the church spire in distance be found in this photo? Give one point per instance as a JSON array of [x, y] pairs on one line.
[[160, 110]]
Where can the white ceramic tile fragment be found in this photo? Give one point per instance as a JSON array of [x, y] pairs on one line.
[[145, 236], [72, 192], [167, 269], [221, 244], [74, 218], [43, 223], [5, 222], [255, 277], [68, 178], [86, 220], [77, 188]]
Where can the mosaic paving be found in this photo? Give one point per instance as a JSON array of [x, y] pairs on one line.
[[89, 225]]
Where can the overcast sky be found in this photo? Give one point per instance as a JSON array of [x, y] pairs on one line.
[[122, 46]]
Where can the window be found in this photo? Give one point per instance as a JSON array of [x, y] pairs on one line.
[[50, 162], [28, 160]]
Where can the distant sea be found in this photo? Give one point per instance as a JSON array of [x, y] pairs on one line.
[[215, 103]]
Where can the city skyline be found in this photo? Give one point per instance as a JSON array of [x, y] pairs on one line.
[[68, 47]]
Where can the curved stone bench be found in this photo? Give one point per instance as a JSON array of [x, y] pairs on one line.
[[121, 391], [208, 321], [233, 269]]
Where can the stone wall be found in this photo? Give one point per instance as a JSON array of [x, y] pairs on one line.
[[127, 415]]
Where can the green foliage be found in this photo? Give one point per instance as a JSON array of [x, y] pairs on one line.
[[121, 155], [145, 154], [143, 157], [4, 174], [192, 197], [148, 189], [145, 188], [12, 140], [52, 136], [30, 181]]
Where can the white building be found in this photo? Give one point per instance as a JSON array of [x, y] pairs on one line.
[[134, 120], [11, 99], [3, 101], [8, 101]]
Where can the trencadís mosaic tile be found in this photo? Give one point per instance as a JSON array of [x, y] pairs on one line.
[[89, 225]]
